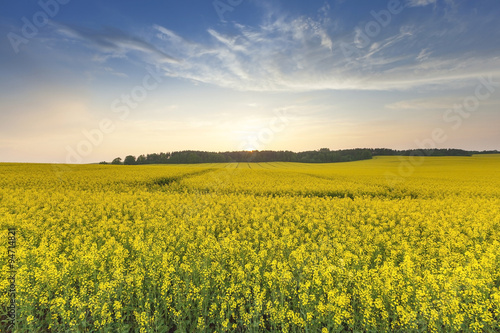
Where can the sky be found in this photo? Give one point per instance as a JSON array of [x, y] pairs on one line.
[[88, 81]]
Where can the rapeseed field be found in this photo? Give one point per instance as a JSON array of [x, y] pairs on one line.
[[364, 246]]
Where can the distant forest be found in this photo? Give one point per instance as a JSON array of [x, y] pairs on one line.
[[323, 155]]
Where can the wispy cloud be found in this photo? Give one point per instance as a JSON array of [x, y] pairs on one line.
[[418, 3], [305, 53], [113, 43], [441, 103], [301, 54], [282, 55], [423, 104], [112, 71]]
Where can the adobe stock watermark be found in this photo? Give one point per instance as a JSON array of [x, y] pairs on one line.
[[455, 117], [11, 314], [224, 6], [30, 28], [267, 134], [122, 107], [372, 29]]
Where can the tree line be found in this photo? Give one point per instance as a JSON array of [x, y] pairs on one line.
[[323, 155]]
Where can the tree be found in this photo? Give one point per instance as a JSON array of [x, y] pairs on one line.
[[129, 160], [141, 159], [117, 161], [193, 158]]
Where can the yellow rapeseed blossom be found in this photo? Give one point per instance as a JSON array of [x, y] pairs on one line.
[[281, 247]]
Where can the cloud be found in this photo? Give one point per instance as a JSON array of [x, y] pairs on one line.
[[112, 71], [275, 56], [114, 43], [305, 54], [423, 55], [419, 3], [433, 104], [423, 104]]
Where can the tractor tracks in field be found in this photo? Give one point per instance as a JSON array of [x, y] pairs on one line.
[[169, 180], [219, 180]]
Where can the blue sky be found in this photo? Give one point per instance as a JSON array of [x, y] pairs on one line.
[[86, 81]]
